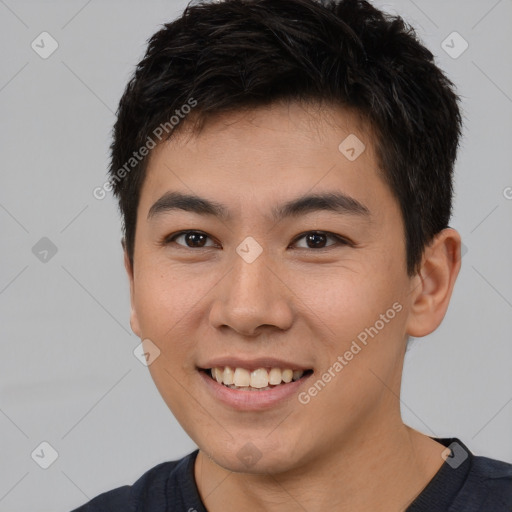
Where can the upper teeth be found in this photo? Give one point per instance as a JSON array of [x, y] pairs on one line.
[[259, 378]]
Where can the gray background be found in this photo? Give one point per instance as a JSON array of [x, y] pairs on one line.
[[68, 373]]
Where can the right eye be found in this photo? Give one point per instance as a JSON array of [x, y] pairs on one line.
[[192, 239]]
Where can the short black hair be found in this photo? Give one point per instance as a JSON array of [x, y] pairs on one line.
[[239, 54]]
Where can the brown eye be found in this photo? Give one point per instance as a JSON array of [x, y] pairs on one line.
[[192, 239], [318, 239]]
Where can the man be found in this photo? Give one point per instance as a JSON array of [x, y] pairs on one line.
[[284, 172]]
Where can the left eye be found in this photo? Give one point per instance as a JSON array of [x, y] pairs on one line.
[[317, 239]]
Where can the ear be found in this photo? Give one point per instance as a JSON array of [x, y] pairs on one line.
[[432, 286], [134, 321]]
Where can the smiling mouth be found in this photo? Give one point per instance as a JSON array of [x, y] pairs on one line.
[[261, 379]]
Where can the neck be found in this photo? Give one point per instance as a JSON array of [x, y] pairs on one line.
[[383, 471]]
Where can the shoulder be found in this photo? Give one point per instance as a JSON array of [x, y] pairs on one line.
[[128, 497], [495, 473], [492, 468], [489, 484]]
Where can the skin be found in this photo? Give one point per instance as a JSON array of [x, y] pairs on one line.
[[294, 302]]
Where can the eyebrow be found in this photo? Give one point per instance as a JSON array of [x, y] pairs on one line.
[[334, 202]]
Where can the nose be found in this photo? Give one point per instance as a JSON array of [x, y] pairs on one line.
[[252, 298]]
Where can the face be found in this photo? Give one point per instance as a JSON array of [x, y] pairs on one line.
[[292, 259]]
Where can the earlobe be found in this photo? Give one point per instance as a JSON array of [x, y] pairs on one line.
[[432, 287], [134, 321]]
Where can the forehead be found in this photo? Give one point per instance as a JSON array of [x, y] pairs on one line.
[[265, 155], [297, 126]]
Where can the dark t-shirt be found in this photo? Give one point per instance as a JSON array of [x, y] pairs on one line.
[[464, 483]]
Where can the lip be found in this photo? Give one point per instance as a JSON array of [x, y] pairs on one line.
[[252, 400], [253, 364]]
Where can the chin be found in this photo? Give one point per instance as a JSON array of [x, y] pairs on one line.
[[256, 456]]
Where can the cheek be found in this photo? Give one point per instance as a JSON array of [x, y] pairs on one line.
[[161, 305], [162, 297], [345, 302], [361, 320]]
